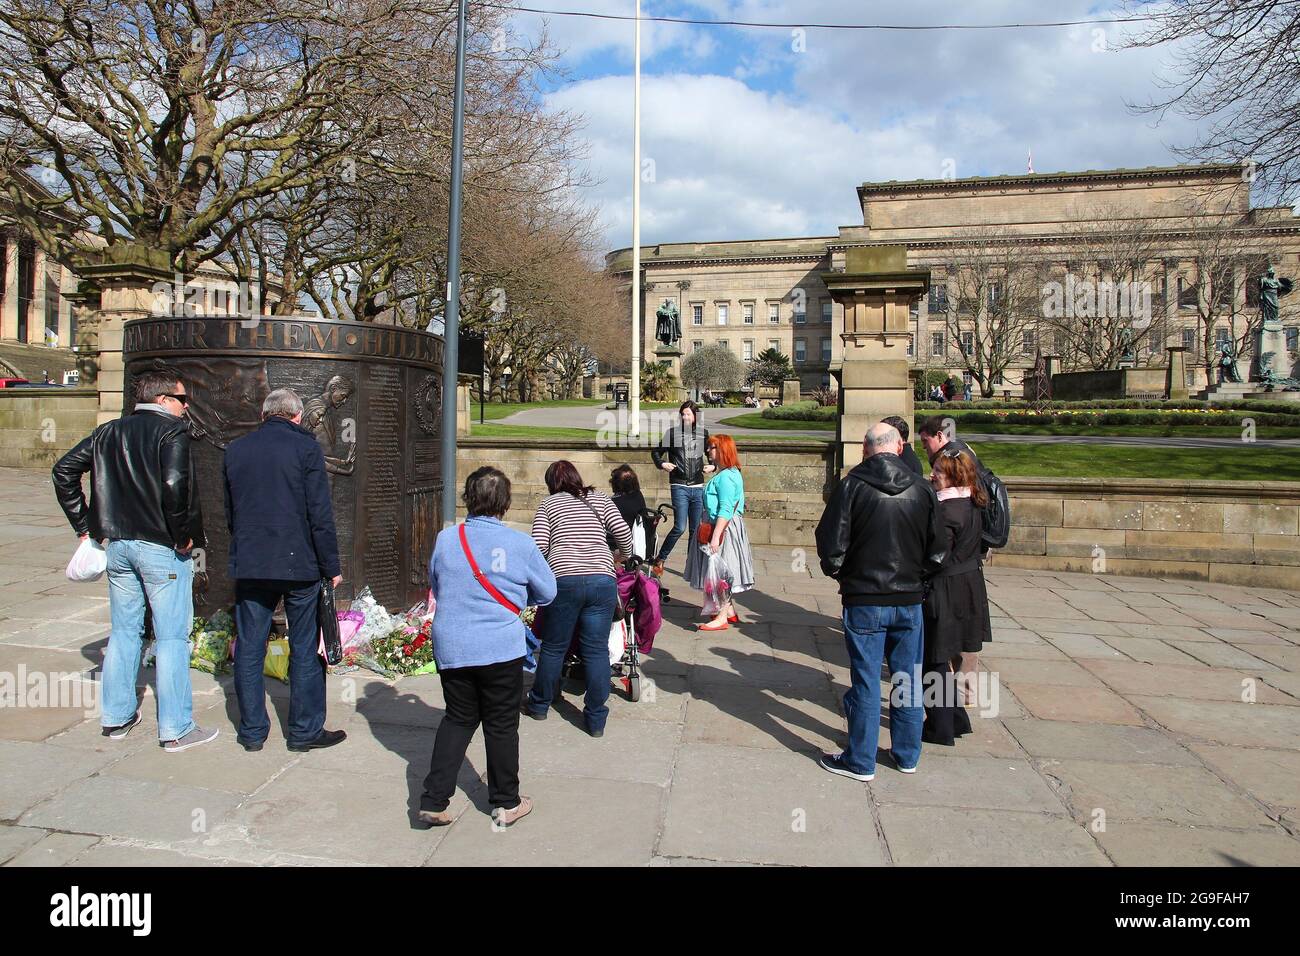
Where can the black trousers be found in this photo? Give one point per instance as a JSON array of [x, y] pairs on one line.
[[945, 717], [488, 695]]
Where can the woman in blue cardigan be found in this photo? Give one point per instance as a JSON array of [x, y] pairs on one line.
[[724, 509], [479, 645]]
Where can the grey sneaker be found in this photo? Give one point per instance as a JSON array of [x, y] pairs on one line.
[[195, 737], [119, 732], [502, 817]]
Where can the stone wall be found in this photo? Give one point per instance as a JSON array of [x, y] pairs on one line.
[[38, 426], [1115, 383], [1234, 532], [785, 482]]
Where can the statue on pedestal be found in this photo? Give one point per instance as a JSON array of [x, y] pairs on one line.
[[668, 329], [1228, 364], [1272, 340], [1271, 289]]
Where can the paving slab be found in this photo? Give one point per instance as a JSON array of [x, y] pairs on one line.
[[13, 840], [134, 809], [1125, 791], [36, 771], [1169, 680], [1090, 705], [765, 806], [1104, 742], [1243, 725], [1145, 844], [575, 821], [937, 836], [982, 783], [807, 722], [1270, 776], [54, 849]]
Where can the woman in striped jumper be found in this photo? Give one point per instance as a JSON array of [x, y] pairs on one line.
[[577, 528]]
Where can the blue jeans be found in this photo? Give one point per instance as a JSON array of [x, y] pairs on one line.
[[585, 603], [688, 503], [140, 572], [255, 602], [893, 634]]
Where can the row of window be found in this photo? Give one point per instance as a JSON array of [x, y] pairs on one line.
[[722, 313], [747, 348]]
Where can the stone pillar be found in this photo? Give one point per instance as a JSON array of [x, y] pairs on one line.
[[38, 316], [124, 280], [9, 319], [1176, 374], [876, 290], [464, 405], [790, 391]]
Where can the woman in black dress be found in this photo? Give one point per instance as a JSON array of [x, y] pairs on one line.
[[956, 609]]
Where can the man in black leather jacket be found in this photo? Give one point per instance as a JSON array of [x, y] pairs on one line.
[[681, 454], [144, 503], [880, 537]]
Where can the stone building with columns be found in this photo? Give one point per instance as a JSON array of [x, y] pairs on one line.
[[753, 294]]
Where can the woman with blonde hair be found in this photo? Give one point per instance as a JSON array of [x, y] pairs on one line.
[[956, 607], [722, 533]]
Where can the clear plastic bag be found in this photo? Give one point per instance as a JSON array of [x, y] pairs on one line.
[[717, 582], [89, 561]]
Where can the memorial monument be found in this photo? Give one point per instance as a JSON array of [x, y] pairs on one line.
[[876, 290], [372, 399], [1273, 368]]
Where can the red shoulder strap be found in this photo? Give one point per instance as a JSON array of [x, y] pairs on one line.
[[482, 578]]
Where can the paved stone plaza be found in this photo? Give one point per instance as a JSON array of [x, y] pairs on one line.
[[1121, 737]]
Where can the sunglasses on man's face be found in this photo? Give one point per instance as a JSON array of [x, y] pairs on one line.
[[182, 398]]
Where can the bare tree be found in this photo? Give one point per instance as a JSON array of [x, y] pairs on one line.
[[1099, 308], [714, 366], [1235, 67], [994, 298]]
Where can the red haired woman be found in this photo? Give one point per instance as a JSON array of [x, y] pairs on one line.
[[956, 609], [724, 508]]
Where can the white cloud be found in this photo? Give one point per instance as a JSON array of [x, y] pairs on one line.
[[751, 139]]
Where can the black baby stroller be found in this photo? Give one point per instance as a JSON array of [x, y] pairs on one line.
[[634, 585]]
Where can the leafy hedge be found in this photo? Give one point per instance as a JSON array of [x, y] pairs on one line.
[[1251, 405], [1090, 419], [804, 411]]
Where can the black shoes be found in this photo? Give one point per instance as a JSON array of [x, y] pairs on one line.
[[523, 709], [252, 746], [326, 738]]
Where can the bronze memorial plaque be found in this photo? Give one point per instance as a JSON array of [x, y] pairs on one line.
[[371, 396]]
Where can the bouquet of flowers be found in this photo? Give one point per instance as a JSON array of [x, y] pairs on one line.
[[405, 648], [210, 643]]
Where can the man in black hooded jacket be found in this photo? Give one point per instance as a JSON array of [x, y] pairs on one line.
[[880, 537]]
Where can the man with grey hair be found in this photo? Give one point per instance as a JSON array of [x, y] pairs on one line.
[[880, 537], [282, 545]]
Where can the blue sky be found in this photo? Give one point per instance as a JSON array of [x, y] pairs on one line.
[[763, 133]]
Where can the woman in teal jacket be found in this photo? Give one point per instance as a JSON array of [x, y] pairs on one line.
[[724, 509]]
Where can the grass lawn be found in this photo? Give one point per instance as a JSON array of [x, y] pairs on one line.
[[756, 420], [1137, 431], [492, 430], [1246, 463]]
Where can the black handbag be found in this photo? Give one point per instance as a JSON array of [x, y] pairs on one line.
[[328, 619]]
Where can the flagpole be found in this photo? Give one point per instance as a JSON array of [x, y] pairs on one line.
[[634, 427], [451, 311]]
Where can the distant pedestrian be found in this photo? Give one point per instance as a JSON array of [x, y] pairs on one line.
[[909, 453], [681, 454], [879, 538], [957, 605], [968, 392], [724, 512], [577, 529], [144, 501], [282, 546], [479, 645]]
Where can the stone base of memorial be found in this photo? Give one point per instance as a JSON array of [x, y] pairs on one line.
[[372, 396]]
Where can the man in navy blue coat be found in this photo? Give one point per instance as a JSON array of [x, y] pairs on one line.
[[282, 545]]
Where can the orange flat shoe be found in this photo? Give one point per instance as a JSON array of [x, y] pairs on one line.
[[712, 627], [733, 619]]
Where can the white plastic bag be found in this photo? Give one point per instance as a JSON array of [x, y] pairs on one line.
[[717, 582], [89, 562], [617, 641]]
